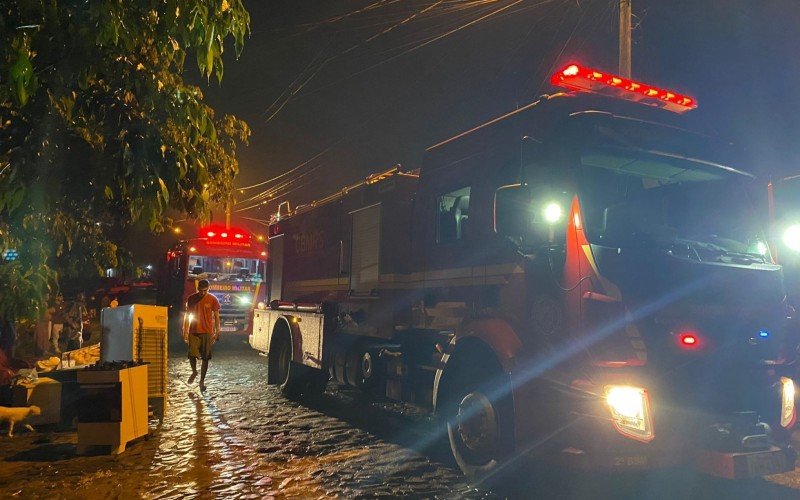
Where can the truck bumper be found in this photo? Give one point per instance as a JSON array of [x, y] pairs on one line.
[[233, 323], [621, 461], [728, 465], [744, 465]]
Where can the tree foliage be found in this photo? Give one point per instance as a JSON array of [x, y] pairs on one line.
[[99, 131]]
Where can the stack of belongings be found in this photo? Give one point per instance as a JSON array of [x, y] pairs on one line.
[[88, 355]]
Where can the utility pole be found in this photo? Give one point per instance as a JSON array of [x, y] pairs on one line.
[[228, 206], [625, 38]]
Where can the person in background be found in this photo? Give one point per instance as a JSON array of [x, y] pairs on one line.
[[105, 301], [201, 329], [114, 302], [58, 314], [73, 322]]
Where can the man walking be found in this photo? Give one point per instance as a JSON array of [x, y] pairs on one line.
[[201, 329]]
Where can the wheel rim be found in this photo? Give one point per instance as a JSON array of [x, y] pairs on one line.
[[477, 426]]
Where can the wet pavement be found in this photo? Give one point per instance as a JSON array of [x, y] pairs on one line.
[[242, 439]]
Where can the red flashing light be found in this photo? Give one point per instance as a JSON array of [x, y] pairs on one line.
[[575, 77], [688, 340], [218, 232]]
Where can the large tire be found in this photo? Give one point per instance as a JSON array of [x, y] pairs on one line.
[[295, 380], [479, 417], [286, 372]]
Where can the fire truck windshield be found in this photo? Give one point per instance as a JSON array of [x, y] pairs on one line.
[[656, 187], [225, 269]]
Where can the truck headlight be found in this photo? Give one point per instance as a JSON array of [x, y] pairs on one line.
[[553, 213], [244, 300], [630, 411], [788, 411], [791, 237]]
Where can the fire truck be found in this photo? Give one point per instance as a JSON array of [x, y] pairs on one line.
[[234, 263], [580, 281]]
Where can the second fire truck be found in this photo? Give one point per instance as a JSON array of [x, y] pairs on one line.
[[581, 280], [234, 263]]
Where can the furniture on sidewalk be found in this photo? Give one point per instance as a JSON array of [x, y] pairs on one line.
[[113, 407], [139, 332]]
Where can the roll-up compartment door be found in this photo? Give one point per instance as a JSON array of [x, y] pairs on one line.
[[276, 256], [365, 257]]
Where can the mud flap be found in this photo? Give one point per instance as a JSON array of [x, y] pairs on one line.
[[743, 465]]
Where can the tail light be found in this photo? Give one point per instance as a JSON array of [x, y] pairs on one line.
[[788, 410], [630, 412]]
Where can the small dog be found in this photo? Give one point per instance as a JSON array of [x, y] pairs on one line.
[[14, 415]]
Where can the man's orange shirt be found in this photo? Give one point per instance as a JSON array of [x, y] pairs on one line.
[[201, 311]]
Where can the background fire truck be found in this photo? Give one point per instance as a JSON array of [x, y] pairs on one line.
[[234, 263], [581, 281]]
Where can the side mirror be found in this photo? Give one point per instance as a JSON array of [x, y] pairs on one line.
[[511, 204]]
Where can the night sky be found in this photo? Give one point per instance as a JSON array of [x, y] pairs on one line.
[[338, 89]]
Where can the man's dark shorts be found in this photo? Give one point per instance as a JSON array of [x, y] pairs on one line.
[[200, 345]]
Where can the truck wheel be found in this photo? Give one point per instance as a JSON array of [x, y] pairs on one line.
[[480, 424], [295, 379], [287, 372]]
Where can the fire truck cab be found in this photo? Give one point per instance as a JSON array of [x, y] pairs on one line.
[[581, 280], [233, 262]]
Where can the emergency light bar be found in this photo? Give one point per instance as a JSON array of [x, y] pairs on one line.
[[575, 77], [221, 233]]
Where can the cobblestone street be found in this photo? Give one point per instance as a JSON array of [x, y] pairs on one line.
[[242, 439]]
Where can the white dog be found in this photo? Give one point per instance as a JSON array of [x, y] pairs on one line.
[[14, 415]]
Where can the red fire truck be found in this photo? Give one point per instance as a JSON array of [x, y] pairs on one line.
[[234, 263], [581, 280]]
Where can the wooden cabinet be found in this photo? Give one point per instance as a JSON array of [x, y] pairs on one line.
[[113, 407]]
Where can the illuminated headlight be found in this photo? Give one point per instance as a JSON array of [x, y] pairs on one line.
[[245, 299], [791, 237], [630, 411], [788, 412], [761, 248], [553, 213]]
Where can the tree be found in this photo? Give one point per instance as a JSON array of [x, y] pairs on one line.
[[99, 131]]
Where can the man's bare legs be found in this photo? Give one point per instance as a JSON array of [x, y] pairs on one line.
[[193, 364], [203, 370]]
